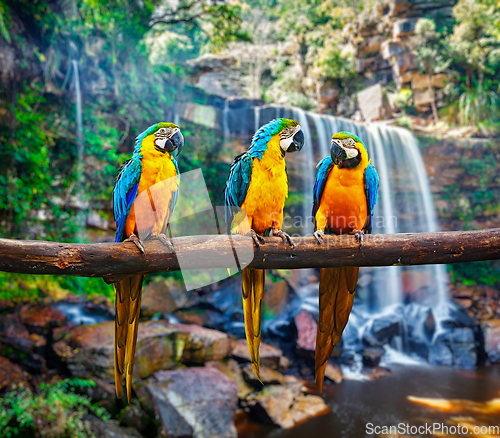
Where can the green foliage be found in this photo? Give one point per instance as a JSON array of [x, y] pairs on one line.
[[475, 51], [476, 273], [432, 50], [476, 37], [53, 411], [402, 98], [479, 193], [22, 288], [4, 31], [405, 122], [332, 61], [478, 105]]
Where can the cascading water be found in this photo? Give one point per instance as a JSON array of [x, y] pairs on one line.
[[80, 159], [307, 164]]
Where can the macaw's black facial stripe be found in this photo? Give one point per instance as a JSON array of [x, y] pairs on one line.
[[350, 163]]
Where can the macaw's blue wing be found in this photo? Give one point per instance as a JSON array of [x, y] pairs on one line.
[[237, 186], [324, 167], [124, 194], [371, 189]]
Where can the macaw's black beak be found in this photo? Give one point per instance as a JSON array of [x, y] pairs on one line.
[[337, 153], [297, 142], [175, 142]]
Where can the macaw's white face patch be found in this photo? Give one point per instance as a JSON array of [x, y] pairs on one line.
[[285, 143], [286, 136], [351, 152], [160, 142]]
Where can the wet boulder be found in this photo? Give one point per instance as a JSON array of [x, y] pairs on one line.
[[165, 296], [198, 402], [132, 416], [306, 332], [269, 355], [491, 332], [420, 327], [333, 372], [386, 327], [372, 356], [41, 319], [455, 317], [268, 376], [284, 406], [230, 368], [10, 374], [276, 296], [88, 349], [202, 344], [374, 373], [455, 348], [227, 299], [110, 429], [17, 344], [203, 317], [280, 327]]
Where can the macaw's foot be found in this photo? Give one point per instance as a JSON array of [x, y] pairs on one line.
[[319, 235], [358, 234], [258, 239], [286, 238], [137, 242], [166, 241]]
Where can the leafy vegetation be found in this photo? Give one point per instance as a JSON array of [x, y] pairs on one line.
[[55, 410], [485, 273], [432, 54]]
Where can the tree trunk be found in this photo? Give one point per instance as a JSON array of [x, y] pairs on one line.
[[117, 260], [433, 99]]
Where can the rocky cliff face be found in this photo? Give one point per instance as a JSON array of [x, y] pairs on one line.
[[465, 181], [383, 43]]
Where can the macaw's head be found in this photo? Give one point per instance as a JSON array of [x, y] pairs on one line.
[[347, 150], [165, 137], [291, 136]]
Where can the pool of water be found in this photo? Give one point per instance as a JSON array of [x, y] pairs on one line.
[[385, 402]]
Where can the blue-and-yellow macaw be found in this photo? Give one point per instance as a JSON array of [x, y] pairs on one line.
[[144, 197], [257, 187], [345, 193]]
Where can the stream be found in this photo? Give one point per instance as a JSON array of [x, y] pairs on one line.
[[384, 402]]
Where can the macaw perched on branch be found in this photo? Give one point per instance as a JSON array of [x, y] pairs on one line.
[[345, 193], [144, 197], [256, 189]]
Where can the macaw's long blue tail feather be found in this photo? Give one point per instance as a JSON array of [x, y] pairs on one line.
[[336, 295], [253, 293], [128, 307]]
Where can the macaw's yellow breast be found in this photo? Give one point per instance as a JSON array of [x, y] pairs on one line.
[[268, 189], [343, 206], [159, 181]]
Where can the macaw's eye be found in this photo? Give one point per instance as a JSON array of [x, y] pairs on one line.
[[349, 142], [162, 131]]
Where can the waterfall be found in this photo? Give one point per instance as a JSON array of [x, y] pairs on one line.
[[225, 121], [80, 159], [405, 202], [308, 175]]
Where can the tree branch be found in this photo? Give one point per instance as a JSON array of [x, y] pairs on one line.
[[113, 261]]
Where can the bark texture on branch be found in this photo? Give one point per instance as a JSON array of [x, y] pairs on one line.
[[115, 260]]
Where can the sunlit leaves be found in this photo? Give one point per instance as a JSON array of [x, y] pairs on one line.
[[54, 410]]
